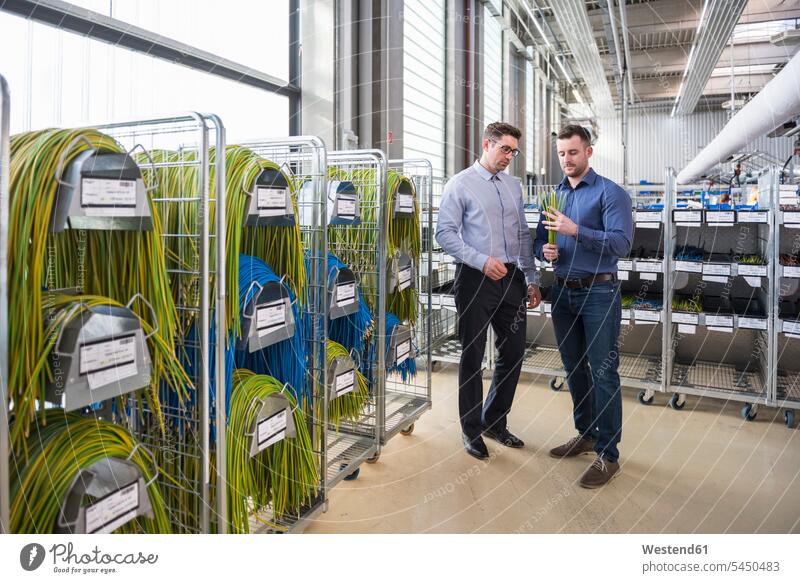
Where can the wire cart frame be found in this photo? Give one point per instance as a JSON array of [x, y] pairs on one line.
[[738, 366], [358, 441], [407, 401], [191, 503], [304, 158], [5, 168]]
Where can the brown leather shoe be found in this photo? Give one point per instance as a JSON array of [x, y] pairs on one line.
[[576, 446], [600, 473]]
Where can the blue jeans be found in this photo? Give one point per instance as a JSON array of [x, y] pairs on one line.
[[587, 325]]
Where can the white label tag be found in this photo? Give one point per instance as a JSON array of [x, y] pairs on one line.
[[405, 278], [685, 318], [625, 265], [403, 350], [271, 202], [102, 197], [270, 317], [715, 278], [791, 270], [113, 510], [111, 375], [345, 382], [648, 225], [752, 323], [436, 301], [649, 276], [716, 269], [687, 329], [622, 275], [345, 293], [548, 307], [649, 266], [752, 216], [646, 315], [720, 217], [107, 354], [713, 320], [744, 269], [346, 207], [720, 329], [690, 266], [790, 327], [405, 203], [448, 301], [532, 218], [272, 429], [687, 216], [753, 281], [647, 216], [791, 217], [626, 313]]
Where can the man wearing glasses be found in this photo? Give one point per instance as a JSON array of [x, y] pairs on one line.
[[482, 225]]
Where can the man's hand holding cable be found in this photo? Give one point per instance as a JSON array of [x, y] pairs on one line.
[[560, 223]]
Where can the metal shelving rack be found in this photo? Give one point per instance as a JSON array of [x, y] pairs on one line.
[[5, 476], [359, 441], [786, 327], [191, 503], [732, 359], [642, 367], [407, 400], [304, 158]]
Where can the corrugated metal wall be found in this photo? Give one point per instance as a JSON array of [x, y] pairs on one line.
[[658, 140]]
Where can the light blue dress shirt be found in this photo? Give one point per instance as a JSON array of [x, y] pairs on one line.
[[481, 215]]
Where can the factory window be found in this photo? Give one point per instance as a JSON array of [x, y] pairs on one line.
[[492, 68]]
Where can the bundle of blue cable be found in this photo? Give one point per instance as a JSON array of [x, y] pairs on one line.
[[287, 360], [408, 368]]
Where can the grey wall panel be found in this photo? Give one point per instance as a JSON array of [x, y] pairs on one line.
[[658, 140]]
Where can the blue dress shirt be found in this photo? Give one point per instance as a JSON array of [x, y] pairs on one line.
[[481, 215], [602, 211]]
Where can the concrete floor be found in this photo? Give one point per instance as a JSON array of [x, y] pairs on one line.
[[702, 469]]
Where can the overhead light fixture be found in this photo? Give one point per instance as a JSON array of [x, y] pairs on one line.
[[689, 60], [564, 71], [577, 96], [536, 23]]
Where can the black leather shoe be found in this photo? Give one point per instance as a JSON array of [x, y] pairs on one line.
[[475, 447], [505, 437]]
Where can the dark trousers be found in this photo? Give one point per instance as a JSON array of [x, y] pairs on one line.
[[587, 324], [481, 301]]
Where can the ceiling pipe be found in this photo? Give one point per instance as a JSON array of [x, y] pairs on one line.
[[777, 103], [624, 22]]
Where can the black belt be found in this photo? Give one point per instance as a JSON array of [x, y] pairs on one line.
[[578, 283]]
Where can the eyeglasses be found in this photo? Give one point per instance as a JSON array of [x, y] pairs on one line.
[[505, 149]]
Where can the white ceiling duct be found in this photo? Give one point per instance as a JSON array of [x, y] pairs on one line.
[[776, 103], [577, 30]]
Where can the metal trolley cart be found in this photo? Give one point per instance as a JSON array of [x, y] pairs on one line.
[[642, 278], [304, 160], [786, 298], [406, 401], [187, 443], [721, 262]]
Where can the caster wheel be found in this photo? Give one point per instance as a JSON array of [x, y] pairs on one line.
[[788, 418], [408, 430], [556, 383], [747, 412], [373, 459], [353, 476], [677, 402], [642, 398]]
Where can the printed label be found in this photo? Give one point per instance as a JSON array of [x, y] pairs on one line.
[[345, 293], [405, 278], [690, 266], [647, 216], [687, 329], [646, 315], [345, 382], [650, 266], [752, 216], [713, 320], [625, 265], [405, 203], [716, 269], [649, 276], [113, 510], [790, 327], [623, 275], [111, 375], [346, 207], [403, 350], [270, 317], [715, 278], [103, 197], [791, 217], [687, 216], [271, 202], [759, 270], [720, 217], [272, 429], [752, 323], [791, 270], [685, 318], [107, 354]]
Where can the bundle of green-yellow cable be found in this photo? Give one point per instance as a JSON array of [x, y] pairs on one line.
[[285, 474], [347, 407], [61, 446], [113, 264]]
